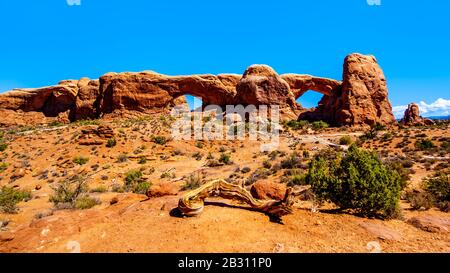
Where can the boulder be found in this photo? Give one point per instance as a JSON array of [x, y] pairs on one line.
[[412, 117], [431, 223], [268, 190]]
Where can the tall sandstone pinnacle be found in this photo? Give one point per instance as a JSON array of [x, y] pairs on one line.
[[361, 98]]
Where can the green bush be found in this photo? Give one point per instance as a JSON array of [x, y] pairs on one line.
[[3, 146], [357, 180], [86, 202], [3, 166], [10, 197], [161, 140], [345, 140], [225, 159], [142, 160], [135, 182], [317, 125], [80, 160], [111, 142], [424, 144], [122, 158], [297, 124], [142, 188], [193, 182], [291, 161], [68, 191], [439, 187]]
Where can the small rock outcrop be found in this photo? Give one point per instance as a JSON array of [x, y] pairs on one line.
[[95, 135], [412, 117]]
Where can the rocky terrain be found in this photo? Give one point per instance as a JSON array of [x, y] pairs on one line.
[[91, 166]]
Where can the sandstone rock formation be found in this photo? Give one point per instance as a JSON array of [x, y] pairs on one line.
[[412, 116], [95, 135], [360, 99]]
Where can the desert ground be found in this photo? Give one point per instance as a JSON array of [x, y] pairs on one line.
[[38, 158]]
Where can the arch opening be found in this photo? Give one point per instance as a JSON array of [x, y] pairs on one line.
[[310, 99], [194, 103]]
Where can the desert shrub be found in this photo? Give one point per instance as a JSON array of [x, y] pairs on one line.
[[387, 136], [192, 182], [69, 190], [199, 144], [403, 168], [142, 188], [317, 125], [3, 146], [198, 156], [379, 127], [111, 142], [267, 164], [295, 177], [439, 187], [142, 160], [122, 158], [71, 193], [345, 140], [161, 140], [291, 162], [86, 202], [305, 154], [3, 166], [296, 124], [357, 180], [99, 189], [133, 181], [424, 144], [10, 197], [225, 159], [80, 160]]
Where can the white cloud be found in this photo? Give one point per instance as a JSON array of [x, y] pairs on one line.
[[441, 107]]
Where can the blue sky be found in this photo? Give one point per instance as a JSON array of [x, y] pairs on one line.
[[42, 42]]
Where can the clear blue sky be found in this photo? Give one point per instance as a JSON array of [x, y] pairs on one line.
[[42, 42]]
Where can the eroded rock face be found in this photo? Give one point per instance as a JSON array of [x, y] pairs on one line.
[[412, 116], [360, 99]]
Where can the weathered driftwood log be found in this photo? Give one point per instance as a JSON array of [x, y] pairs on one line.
[[192, 203]]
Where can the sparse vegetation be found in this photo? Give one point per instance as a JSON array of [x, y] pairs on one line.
[[135, 182], [438, 187], [111, 142], [424, 144], [357, 180], [345, 140], [3, 166], [225, 158], [80, 160], [160, 140], [71, 193], [318, 125], [192, 182], [10, 197]]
